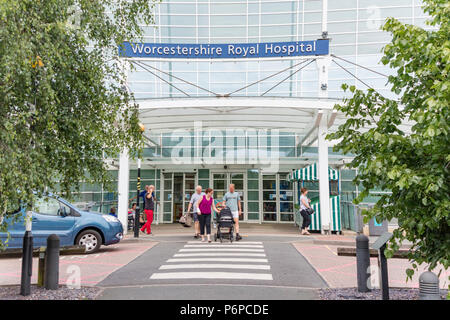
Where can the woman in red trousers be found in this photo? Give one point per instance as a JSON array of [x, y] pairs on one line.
[[149, 206]]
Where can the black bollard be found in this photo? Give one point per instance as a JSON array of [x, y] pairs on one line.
[[382, 263], [362, 262], [51, 275], [27, 264], [136, 222]]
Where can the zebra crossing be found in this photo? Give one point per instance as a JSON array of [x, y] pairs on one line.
[[244, 260]]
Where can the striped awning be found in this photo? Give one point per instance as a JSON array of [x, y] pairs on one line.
[[311, 173]]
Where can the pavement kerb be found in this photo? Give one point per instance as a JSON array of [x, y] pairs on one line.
[[301, 239], [347, 243]]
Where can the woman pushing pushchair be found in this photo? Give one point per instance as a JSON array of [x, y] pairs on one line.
[[204, 205]]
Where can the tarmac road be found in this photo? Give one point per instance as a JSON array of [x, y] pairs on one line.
[[258, 267]]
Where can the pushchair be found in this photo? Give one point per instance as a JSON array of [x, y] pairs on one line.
[[225, 225], [130, 221]]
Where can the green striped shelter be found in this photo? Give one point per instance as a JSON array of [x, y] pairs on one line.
[[310, 173], [335, 223]]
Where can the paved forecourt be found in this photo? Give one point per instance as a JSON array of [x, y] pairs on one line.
[[196, 270]]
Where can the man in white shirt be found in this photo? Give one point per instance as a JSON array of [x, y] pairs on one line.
[[232, 200]]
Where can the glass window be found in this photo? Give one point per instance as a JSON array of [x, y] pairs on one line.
[[48, 206], [253, 184], [342, 4], [311, 5], [228, 32], [228, 8], [253, 216], [313, 17], [252, 174], [177, 8], [271, 7], [336, 27], [253, 20], [282, 18], [253, 206], [276, 30], [228, 20], [341, 15]]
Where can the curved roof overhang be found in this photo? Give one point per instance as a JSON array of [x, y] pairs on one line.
[[298, 115]]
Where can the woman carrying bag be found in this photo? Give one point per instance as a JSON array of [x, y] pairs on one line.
[[305, 211]]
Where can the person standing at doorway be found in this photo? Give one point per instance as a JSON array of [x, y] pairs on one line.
[[304, 206], [232, 200], [193, 204], [205, 203], [149, 206]]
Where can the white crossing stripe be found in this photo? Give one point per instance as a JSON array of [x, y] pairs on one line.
[[219, 254], [214, 266], [221, 249], [198, 260], [223, 246], [218, 260], [212, 275], [240, 242]]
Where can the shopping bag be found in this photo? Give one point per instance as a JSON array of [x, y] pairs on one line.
[[188, 221]]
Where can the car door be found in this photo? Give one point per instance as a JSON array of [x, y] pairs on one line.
[[16, 228], [51, 217]]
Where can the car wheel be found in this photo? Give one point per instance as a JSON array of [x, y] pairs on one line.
[[91, 239]]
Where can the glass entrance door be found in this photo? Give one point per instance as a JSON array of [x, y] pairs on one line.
[[178, 189], [220, 184], [238, 180], [269, 198], [277, 198]]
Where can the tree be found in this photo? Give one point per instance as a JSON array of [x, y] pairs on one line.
[[412, 164], [63, 103]]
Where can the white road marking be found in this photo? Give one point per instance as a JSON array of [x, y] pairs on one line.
[[223, 246], [237, 243], [219, 254], [221, 250], [214, 266], [218, 260], [212, 275]]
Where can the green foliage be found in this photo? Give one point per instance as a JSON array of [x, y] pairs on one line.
[[411, 160], [63, 103]]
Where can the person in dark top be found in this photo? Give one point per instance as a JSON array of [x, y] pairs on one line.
[[142, 195], [112, 212], [149, 206]]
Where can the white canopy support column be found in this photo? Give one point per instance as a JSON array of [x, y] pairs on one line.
[[324, 191], [323, 66], [123, 188]]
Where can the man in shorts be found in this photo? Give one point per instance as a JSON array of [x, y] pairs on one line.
[[232, 200], [193, 203]]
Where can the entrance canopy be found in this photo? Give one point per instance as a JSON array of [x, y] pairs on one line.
[[299, 115]]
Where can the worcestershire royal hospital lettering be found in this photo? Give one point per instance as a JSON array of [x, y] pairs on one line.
[[224, 51]]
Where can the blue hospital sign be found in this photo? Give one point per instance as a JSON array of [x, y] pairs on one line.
[[225, 51]]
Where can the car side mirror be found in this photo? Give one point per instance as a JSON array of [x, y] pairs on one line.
[[63, 212]]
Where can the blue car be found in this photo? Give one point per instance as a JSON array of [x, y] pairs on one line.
[[54, 215]]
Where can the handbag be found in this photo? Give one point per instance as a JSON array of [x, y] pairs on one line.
[[310, 211], [188, 220], [183, 219]]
